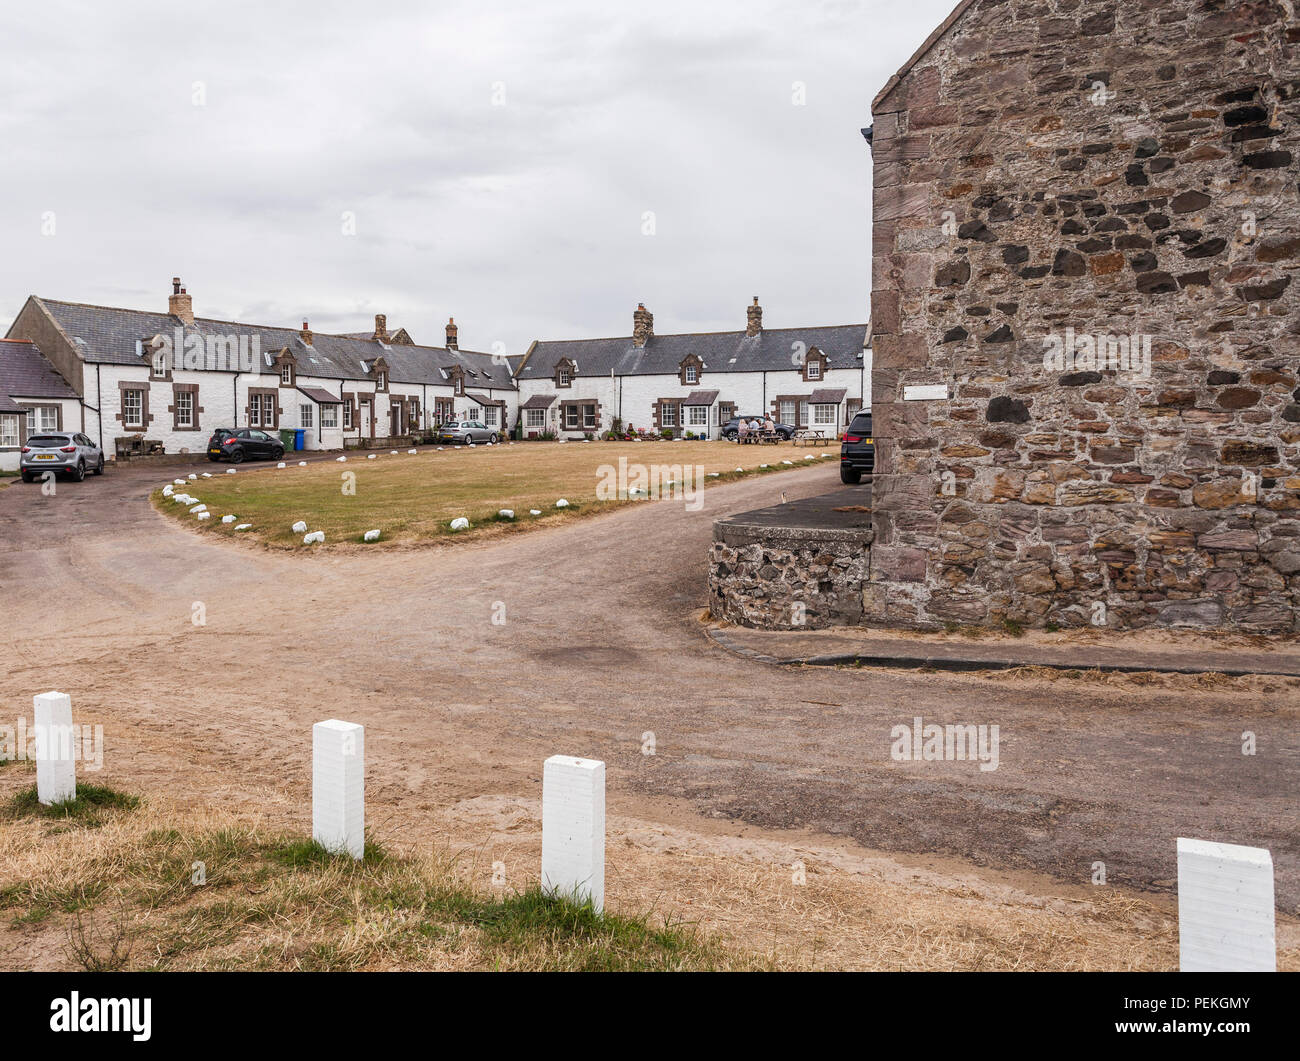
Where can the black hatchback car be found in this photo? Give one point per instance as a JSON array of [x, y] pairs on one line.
[[857, 450], [244, 443]]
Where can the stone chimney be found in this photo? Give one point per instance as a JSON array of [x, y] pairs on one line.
[[179, 304], [754, 323], [451, 334], [381, 328], [306, 333], [643, 324]]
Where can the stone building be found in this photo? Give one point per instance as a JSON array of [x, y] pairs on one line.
[[1085, 318]]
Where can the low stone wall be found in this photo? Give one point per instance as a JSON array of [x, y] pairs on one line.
[[786, 578]]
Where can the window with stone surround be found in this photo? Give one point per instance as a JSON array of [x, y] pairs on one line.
[[8, 430], [133, 408], [535, 417], [329, 416]]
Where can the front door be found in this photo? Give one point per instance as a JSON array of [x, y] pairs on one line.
[[367, 418]]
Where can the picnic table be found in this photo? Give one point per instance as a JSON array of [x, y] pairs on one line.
[[810, 436]]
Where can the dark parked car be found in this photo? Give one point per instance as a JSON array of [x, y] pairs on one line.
[[244, 443], [61, 452], [857, 450], [731, 429]]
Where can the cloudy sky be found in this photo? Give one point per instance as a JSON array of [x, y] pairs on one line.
[[534, 170]]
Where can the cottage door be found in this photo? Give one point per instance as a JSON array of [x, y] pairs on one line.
[[367, 424]]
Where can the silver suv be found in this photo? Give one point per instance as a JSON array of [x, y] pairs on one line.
[[61, 452], [463, 431]]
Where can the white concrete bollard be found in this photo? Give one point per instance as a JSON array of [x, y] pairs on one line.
[[338, 786], [1225, 908], [573, 829], [56, 769]]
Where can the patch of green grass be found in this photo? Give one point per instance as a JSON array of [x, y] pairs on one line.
[[275, 902], [416, 497], [1014, 628], [88, 808]]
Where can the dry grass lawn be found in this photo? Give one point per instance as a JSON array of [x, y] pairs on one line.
[[411, 498]]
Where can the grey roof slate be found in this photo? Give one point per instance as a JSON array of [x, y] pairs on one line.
[[108, 335], [700, 398], [827, 396], [539, 401], [773, 349], [24, 373], [320, 396]]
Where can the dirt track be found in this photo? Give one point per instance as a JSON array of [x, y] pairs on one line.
[[601, 643]]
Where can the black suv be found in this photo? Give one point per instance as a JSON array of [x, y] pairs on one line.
[[239, 444], [731, 429], [857, 450]]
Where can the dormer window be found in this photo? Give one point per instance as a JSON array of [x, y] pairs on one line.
[[381, 381], [286, 375], [460, 385], [158, 367], [814, 365], [565, 370], [565, 379], [689, 370]]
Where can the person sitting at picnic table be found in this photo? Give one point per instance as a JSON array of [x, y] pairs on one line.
[[743, 431], [755, 427], [768, 425]]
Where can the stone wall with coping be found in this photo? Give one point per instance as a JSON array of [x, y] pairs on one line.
[[781, 578]]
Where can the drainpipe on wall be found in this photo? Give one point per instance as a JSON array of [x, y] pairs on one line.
[[765, 391], [99, 402]]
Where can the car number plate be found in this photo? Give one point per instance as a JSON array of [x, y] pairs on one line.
[[45, 456]]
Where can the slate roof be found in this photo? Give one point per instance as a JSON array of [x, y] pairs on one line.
[[24, 373], [321, 397], [827, 396], [700, 398], [771, 350], [108, 335], [483, 399], [539, 401]]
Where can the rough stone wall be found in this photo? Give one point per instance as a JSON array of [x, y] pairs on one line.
[[800, 585], [1123, 169]]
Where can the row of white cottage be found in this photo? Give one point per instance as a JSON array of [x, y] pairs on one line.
[[172, 379]]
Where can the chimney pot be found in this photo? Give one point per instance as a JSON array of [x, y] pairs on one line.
[[643, 325], [179, 303]]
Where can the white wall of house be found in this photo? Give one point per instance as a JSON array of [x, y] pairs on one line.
[[222, 400], [633, 398], [44, 414]]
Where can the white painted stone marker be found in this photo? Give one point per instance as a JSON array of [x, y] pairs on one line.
[[338, 784], [56, 769], [1225, 908], [573, 829]]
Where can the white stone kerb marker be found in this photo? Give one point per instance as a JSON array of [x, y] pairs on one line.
[[338, 786], [56, 766], [573, 829], [1225, 908]]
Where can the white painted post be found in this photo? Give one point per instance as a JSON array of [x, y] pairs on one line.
[[1225, 908], [56, 769], [573, 829], [338, 786]]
